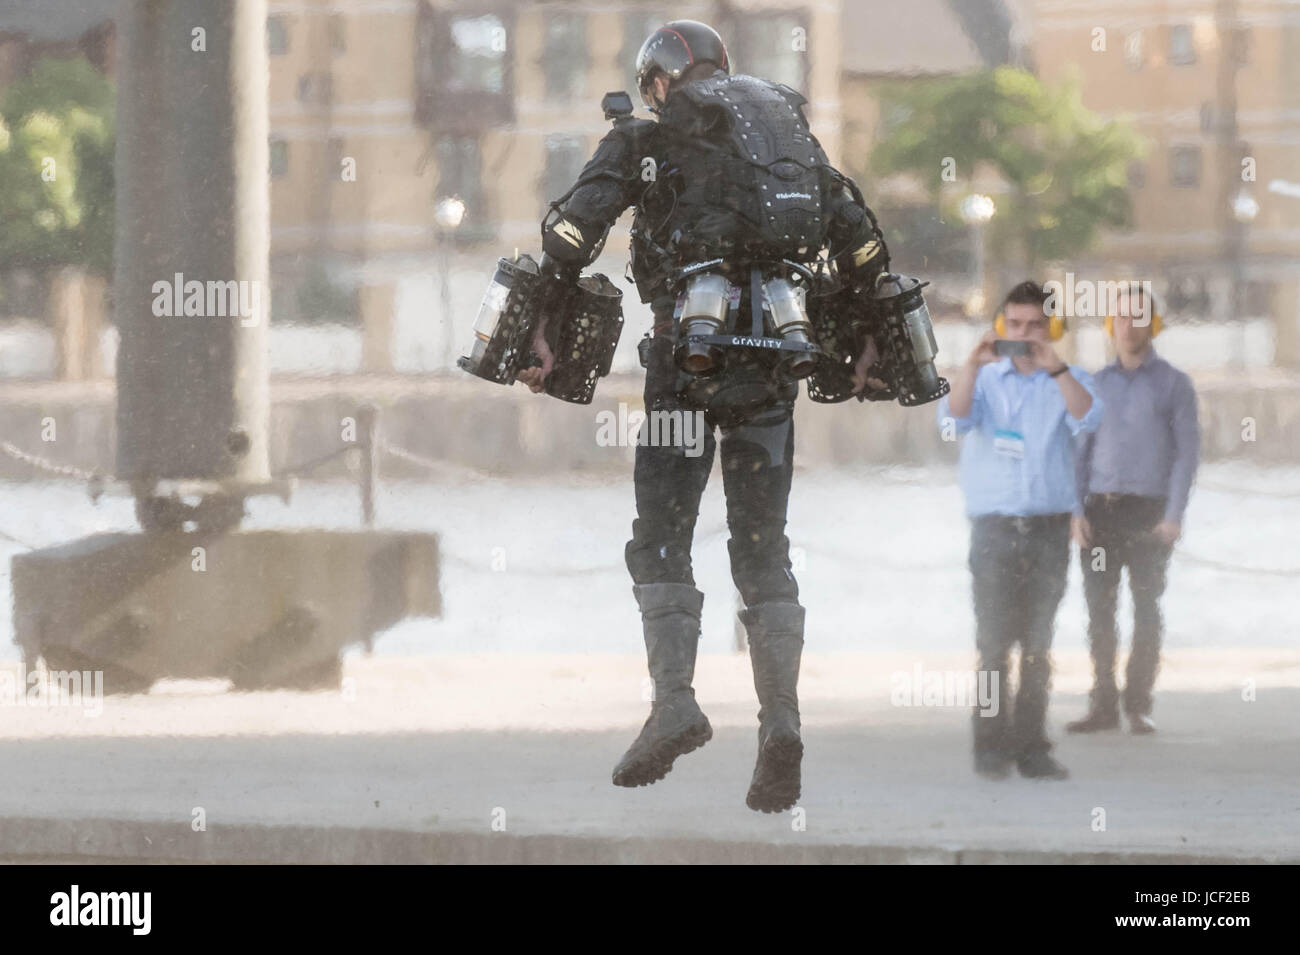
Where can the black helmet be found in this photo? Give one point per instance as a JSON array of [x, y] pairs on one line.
[[674, 48]]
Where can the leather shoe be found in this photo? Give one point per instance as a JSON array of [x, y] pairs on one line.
[[1140, 725], [1095, 722]]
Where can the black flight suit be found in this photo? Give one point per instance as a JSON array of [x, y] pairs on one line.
[[672, 172]]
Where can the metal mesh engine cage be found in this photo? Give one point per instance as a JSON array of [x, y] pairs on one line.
[[840, 326], [500, 350], [585, 340], [585, 322]]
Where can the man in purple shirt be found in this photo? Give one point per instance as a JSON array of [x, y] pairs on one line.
[[1133, 476]]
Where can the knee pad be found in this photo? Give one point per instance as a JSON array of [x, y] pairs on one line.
[[761, 569], [656, 558]]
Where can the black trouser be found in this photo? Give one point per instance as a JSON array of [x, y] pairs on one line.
[[1121, 537], [757, 464], [1018, 566]]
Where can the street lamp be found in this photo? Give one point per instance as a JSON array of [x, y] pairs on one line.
[[448, 214], [1244, 209], [976, 210]]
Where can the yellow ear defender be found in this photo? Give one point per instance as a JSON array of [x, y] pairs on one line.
[[1055, 326], [1156, 324]]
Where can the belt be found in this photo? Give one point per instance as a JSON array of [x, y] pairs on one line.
[[1025, 525], [1114, 497]]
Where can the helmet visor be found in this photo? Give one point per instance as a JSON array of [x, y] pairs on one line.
[[664, 51], [647, 82]]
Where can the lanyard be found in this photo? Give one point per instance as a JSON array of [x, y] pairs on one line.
[[1013, 410]]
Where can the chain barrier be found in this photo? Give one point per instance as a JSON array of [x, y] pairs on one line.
[[98, 479]]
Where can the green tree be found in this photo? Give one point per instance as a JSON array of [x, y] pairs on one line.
[[1065, 166], [56, 168]]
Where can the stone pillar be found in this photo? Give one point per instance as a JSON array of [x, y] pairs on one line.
[[1286, 323], [193, 202], [77, 315], [377, 304]]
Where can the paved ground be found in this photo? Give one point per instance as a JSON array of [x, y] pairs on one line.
[[507, 758]]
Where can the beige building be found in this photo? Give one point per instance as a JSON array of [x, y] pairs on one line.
[[381, 108], [1214, 87]]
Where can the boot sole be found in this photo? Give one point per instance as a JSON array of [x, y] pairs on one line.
[[783, 758], [658, 763], [1083, 730]]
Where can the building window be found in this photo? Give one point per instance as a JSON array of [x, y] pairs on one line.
[[463, 69], [1208, 118], [565, 157], [477, 55], [277, 36], [1137, 174], [1134, 53], [338, 33], [1241, 42], [564, 56], [1185, 166], [460, 174], [636, 27], [1182, 51], [279, 159], [316, 88], [772, 47], [1188, 294]]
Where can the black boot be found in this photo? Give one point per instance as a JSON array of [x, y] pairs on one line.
[[1098, 720], [775, 645], [1103, 701], [670, 619], [1040, 765]]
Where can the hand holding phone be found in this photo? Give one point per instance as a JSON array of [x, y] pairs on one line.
[[1003, 347]]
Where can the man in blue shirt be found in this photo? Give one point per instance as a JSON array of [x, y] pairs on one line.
[[1019, 415], [1134, 477]]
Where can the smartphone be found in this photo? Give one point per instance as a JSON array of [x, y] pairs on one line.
[[1003, 347]]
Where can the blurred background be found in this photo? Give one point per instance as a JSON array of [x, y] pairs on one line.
[[414, 142], [411, 144]]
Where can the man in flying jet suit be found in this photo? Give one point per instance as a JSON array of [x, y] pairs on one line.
[[698, 199]]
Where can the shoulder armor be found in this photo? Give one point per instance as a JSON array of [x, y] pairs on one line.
[[793, 95], [766, 121]]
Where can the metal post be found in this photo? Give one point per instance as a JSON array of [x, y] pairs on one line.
[[444, 266], [368, 438]]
